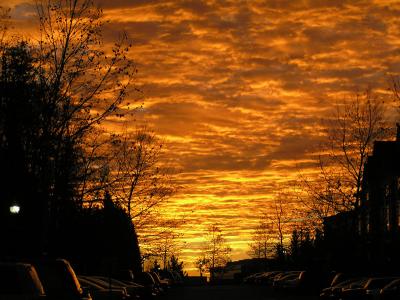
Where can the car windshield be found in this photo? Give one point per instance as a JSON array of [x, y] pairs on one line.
[[90, 284], [58, 276], [110, 281], [97, 281], [290, 276]]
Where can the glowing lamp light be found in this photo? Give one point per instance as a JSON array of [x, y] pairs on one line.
[[14, 209]]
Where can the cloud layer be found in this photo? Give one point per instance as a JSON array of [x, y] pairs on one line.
[[237, 89]]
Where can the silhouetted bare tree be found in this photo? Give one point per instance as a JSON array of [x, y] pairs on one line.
[[167, 245], [89, 85], [351, 132], [216, 250], [163, 240], [260, 245], [141, 180], [83, 79], [95, 168], [54, 94], [4, 26], [131, 168], [280, 220], [81, 83]]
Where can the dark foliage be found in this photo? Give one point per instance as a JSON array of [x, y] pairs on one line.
[[39, 165], [105, 240], [41, 170], [175, 265]]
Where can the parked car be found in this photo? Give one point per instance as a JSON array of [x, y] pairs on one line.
[[110, 283], [340, 277], [280, 277], [391, 291], [369, 290], [374, 286], [174, 278], [265, 278], [165, 282], [161, 284], [251, 278], [20, 281], [145, 279], [359, 283], [257, 277], [286, 280], [59, 280], [167, 277], [334, 290], [302, 281], [124, 274], [98, 292], [280, 274]]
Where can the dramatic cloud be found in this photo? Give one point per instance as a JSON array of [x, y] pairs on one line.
[[238, 89]]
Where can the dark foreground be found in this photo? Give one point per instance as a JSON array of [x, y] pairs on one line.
[[230, 292]]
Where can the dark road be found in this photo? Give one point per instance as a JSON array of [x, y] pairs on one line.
[[229, 292]]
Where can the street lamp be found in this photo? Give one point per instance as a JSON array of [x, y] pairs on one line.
[[14, 209]]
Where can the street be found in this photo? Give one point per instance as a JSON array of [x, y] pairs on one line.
[[229, 292]]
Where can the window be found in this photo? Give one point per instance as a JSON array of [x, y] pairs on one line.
[[398, 202], [387, 217], [386, 208], [398, 212]]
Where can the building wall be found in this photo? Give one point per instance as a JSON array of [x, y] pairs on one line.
[[379, 211], [380, 203]]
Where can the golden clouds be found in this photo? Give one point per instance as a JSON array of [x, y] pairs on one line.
[[237, 89]]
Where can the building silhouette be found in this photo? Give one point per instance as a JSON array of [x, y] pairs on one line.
[[379, 214], [368, 237], [379, 211]]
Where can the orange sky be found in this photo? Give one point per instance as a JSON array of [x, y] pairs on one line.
[[237, 89]]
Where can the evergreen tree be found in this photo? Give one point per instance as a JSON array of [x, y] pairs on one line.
[[175, 265]]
